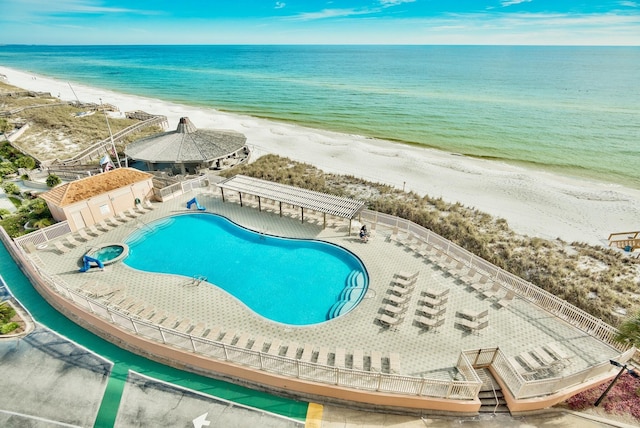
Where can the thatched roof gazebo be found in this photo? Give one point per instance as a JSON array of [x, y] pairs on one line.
[[188, 149]]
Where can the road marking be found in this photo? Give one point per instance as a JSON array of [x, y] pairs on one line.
[[201, 421], [62, 424]]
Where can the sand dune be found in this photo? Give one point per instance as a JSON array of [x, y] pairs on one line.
[[534, 203]]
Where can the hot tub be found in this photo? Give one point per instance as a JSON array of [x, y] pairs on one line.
[[109, 253]]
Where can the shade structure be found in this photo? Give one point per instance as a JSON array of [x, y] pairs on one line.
[[309, 199], [188, 147]]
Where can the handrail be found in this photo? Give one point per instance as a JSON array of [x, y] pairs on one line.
[[391, 383], [118, 135], [524, 289]]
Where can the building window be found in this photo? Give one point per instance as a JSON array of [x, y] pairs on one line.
[[104, 210]]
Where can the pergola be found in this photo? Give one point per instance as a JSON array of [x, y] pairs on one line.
[[295, 196]]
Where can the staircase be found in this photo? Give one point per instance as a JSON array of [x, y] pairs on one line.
[[491, 397], [628, 241]]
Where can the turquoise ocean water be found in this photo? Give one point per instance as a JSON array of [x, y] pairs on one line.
[[572, 110]]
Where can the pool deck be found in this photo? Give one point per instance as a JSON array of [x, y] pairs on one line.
[[514, 329]]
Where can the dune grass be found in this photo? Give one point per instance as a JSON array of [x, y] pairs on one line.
[[55, 131]]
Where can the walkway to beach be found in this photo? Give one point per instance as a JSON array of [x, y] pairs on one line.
[[514, 329]]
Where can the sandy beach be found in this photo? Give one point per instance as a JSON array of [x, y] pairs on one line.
[[534, 203]]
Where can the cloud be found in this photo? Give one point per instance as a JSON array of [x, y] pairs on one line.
[[331, 13], [507, 3], [629, 3], [44, 7], [390, 3], [280, 5]]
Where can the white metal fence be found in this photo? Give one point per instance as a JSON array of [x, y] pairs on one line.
[[358, 379], [279, 365], [532, 293]]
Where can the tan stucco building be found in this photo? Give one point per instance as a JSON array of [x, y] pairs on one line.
[[90, 200]]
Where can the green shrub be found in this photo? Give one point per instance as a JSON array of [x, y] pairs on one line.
[[26, 162], [9, 327], [6, 312], [6, 168], [53, 180], [10, 188]]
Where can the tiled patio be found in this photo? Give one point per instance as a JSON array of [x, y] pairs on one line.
[[433, 354]]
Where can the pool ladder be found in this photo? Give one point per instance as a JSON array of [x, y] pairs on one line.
[[198, 279]]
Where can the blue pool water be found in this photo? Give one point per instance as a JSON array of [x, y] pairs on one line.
[[291, 281]]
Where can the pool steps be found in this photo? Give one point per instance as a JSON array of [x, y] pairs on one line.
[[350, 296], [140, 234], [357, 359]]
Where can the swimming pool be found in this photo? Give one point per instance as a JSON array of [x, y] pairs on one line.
[[291, 281]]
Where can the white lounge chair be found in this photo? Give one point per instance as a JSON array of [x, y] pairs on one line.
[[198, 329], [61, 248], [339, 360], [389, 321], [258, 344], [402, 291], [394, 362], [104, 226], [274, 347], [433, 312], [404, 282], [149, 205], [307, 353], [430, 323], [406, 276], [292, 350], [131, 213], [94, 231], [358, 360], [399, 300], [375, 361], [492, 291], [122, 218], [84, 235], [72, 242], [323, 356], [394, 310], [506, 300]]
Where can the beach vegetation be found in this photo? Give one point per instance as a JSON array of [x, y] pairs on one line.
[[55, 129], [8, 327], [6, 315], [5, 125], [6, 168], [34, 211], [629, 331], [598, 280], [53, 180], [10, 188], [17, 202], [26, 162]]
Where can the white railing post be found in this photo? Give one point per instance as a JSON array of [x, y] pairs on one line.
[[161, 330]]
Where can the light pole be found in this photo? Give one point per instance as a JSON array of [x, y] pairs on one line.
[[622, 369], [113, 144]]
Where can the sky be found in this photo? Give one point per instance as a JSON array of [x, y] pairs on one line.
[[489, 22]]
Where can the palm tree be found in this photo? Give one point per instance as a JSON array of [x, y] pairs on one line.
[[629, 331]]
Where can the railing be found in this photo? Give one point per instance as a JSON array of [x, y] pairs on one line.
[[42, 236], [532, 293], [106, 143], [343, 377], [522, 389], [373, 381], [181, 188]]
